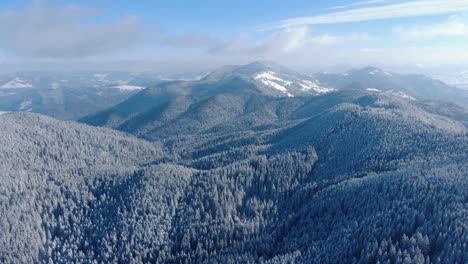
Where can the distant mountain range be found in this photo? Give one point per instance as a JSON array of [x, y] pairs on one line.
[[69, 95], [245, 165], [231, 90], [75, 95], [417, 86], [457, 79], [245, 91]]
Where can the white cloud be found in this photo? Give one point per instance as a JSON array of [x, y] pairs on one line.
[[415, 55], [369, 2], [326, 40], [452, 27], [287, 41], [406, 9], [189, 40], [44, 30], [229, 45]]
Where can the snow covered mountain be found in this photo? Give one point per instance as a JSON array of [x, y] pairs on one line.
[[238, 97], [273, 79], [245, 165], [374, 79], [231, 90]]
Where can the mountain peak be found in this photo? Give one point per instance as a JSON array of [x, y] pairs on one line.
[[250, 69], [271, 78], [260, 63], [257, 67], [369, 70]]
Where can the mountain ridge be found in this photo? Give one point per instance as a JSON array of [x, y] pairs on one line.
[[156, 107]]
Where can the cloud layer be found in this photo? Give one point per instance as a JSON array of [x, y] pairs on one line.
[[363, 3], [406, 9], [284, 42], [455, 26], [46, 31]]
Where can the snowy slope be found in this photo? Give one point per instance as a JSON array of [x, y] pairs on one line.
[[269, 79], [290, 85]]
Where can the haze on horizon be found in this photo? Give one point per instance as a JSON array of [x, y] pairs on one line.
[[179, 36]]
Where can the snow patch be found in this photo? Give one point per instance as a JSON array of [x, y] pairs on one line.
[[126, 87], [401, 95], [16, 83], [268, 79], [166, 79], [270, 76], [277, 87], [373, 90], [374, 72], [309, 85]]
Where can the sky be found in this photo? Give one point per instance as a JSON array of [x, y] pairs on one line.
[[187, 35]]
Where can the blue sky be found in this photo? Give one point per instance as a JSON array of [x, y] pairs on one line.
[[299, 33]]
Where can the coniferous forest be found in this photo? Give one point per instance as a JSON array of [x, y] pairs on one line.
[[220, 171]]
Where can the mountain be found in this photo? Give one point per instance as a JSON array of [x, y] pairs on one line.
[[254, 95], [272, 79], [231, 90], [373, 182], [348, 176], [236, 171], [69, 95], [53, 176], [377, 80]]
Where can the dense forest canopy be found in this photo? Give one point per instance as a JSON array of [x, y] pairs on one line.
[[349, 176]]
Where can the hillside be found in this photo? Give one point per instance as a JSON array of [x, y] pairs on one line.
[[260, 93], [240, 85], [348, 176]]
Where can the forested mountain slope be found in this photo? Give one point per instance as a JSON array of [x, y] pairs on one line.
[[348, 176], [51, 174], [260, 93], [233, 87]]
